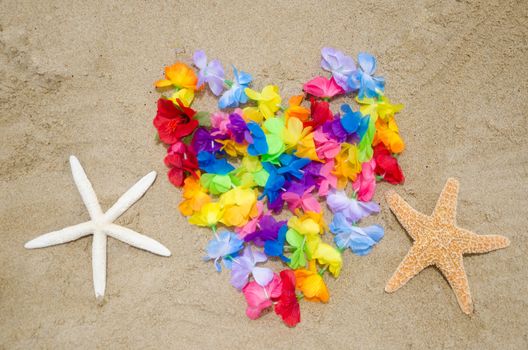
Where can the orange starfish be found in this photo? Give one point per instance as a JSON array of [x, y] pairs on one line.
[[439, 242]]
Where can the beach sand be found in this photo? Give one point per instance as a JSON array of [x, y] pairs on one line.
[[76, 78]]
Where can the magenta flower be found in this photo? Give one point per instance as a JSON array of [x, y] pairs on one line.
[[365, 184], [323, 87]]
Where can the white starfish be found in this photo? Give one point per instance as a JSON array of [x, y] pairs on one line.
[[101, 225]]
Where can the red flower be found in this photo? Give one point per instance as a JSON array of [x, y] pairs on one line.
[[287, 305], [387, 166], [173, 122], [321, 113], [180, 158]]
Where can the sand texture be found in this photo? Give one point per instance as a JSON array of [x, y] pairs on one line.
[[76, 78]]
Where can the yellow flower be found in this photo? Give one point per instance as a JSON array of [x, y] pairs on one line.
[[311, 283], [209, 215], [239, 204], [328, 255], [294, 132], [252, 114], [268, 101], [186, 96], [388, 133], [347, 164], [318, 218], [180, 76], [232, 148], [195, 196], [378, 107], [306, 148]]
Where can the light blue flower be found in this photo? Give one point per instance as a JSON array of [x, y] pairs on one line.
[[364, 80], [359, 239], [235, 95], [222, 245]]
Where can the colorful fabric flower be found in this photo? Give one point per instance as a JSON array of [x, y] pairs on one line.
[[365, 184], [181, 160], [275, 247], [211, 73], [245, 265], [364, 80], [180, 76], [260, 298], [311, 284], [287, 306], [208, 215], [209, 163], [195, 196], [388, 133], [239, 205], [305, 201], [295, 109], [340, 65], [268, 101], [387, 166], [236, 94], [352, 209], [267, 229], [224, 244], [327, 255], [173, 122], [359, 239], [323, 87]]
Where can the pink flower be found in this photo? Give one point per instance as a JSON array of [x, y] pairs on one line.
[[220, 120], [326, 147], [259, 298], [365, 184], [323, 87], [329, 181]]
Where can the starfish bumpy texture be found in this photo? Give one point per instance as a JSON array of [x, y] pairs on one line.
[[439, 242], [101, 225]]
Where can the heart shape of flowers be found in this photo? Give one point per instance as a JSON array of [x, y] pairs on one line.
[[287, 157]]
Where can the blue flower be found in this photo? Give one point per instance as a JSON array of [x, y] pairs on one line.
[[359, 239], [275, 184], [235, 95], [222, 245], [292, 165], [276, 247], [363, 78], [258, 144], [354, 122], [209, 163]]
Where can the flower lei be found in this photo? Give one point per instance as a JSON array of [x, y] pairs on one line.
[[257, 160]]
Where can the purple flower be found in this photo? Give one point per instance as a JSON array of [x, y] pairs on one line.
[[339, 64], [267, 229], [211, 73], [238, 127], [353, 210], [203, 140], [245, 265]]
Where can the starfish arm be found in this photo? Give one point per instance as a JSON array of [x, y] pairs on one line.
[[85, 189], [136, 239], [65, 235], [453, 270], [445, 209], [414, 262], [99, 264], [130, 197], [406, 215], [476, 244]]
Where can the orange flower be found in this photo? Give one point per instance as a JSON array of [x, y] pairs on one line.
[[388, 133], [311, 284], [179, 75], [194, 196], [296, 110]]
